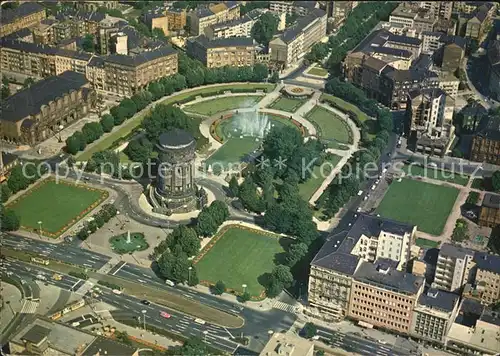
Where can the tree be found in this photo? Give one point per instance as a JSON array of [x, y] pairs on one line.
[[309, 330], [219, 211], [460, 232], [5, 192], [119, 114], [158, 34], [234, 186], [245, 297], [107, 122], [139, 150], [5, 92], [495, 181], [206, 224], [92, 131], [191, 347], [186, 238], [260, 72], [295, 253], [129, 106], [248, 196], [17, 180], [73, 144], [9, 219], [88, 43], [281, 142], [265, 28], [282, 275], [219, 288], [28, 82]]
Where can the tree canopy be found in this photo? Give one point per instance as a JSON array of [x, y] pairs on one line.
[[265, 28]]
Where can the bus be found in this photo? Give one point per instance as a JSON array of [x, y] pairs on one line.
[[40, 261]]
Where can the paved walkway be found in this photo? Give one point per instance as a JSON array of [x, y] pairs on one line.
[[11, 303]]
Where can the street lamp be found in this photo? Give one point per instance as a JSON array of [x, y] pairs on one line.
[[59, 139], [40, 228], [144, 311], [189, 274], [244, 288]]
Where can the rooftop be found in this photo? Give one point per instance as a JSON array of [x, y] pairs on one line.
[[470, 311], [222, 25], [141, 58], [223, 42], [284, 344], [405, 39], [384, 276], [490, 128], [302, 22], [103, 346], [24, 9], [36, 334], [28, 101], [175, 138], [491, 317], [449, 250], [439, 299], [8, 158], [488, 262]]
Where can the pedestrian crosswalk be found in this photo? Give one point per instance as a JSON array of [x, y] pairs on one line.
[[29, 307], [285, 307]]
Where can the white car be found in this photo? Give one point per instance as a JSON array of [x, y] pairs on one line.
[[358, 209], [117, 291], [373, 187], [360, 192]]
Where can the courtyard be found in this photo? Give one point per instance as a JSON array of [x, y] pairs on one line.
[[214, 106], [287, 104], [66, 203], [331, 128], [423, 204], [240, 255]]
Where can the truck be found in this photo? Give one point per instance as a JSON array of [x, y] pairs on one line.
[[40, 261], [56, 277]]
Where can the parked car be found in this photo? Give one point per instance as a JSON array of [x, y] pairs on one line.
[[145, 302], [168, 282]]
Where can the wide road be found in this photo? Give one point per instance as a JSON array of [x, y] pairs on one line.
[[217, 336]]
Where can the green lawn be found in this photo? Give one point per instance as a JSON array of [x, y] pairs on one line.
[[318, 71], [211, 107], [310, 186], [425, 243], [232, 152], [423, 204], [433, 173], [57, 205], [130, 125], [287, 104], [120, 245], [331, 128], [241, 256], [345, 105]]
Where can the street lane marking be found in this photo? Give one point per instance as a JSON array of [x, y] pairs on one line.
[[124, 263], [74, 285]]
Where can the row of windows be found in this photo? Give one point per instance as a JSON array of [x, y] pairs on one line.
[[372, 291], [383, 307], [380, 320]]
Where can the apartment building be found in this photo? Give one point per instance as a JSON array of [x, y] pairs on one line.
[[384, 297], [126, 75], [439, 9], [494, 68], [410, 16], [454, 267], [205, 16], [298, 39], [478, 22], [433, 315], [27, 14], [331, 270], [236, 52], [490, 210], [7, 162], [487, 278], [339, 10], [473, 114], [300, 8], [475, 330], [486, 142], [448, 83], [430, 114], [157, 19], [241, 27], [35, 114], [176, 19]]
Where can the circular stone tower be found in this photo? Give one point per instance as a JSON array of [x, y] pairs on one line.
[[175, 191]]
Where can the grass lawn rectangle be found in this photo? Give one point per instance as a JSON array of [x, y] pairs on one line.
[[241, 256], [57, 205], [345, 105], [287, 104], [233, 151], [433, 173], [330, 126], [130, 125], [317, 71], [425, 243], [211, 107], [310, 186], [423, 204]]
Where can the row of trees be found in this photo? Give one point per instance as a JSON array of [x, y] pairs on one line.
[[9, 219], [356, 27], [347, 184], [92, 131], [98, 220], [173, 254]]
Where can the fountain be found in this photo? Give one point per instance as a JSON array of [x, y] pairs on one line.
[[253, 124], [128, 237]]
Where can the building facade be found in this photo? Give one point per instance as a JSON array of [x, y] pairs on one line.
[[384, 297], [490, 210], [454, 268], [176, 19], [37, 113], [487, 278], [27, 14], [494, 68], [236, 51], [205, 16], [486, 143], [241, 27]]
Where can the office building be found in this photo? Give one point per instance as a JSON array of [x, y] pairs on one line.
[[486, 142], [285, 344], [475, 330], [490, 210], [35, 114], [454, 267], [205, 16], [433, 315], [27, 14], [487, 278], [410, 16], [176, 19], [430, 114], [298, 39], [384, 297], [331, 270], [236, 52], [494, 68]]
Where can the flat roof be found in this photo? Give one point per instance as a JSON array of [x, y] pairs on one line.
[[488, 262], [103, 346], [455, 251], [439, 299], [491, 200], [36, 334]]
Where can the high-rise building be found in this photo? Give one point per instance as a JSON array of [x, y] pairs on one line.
[[454, 267]]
